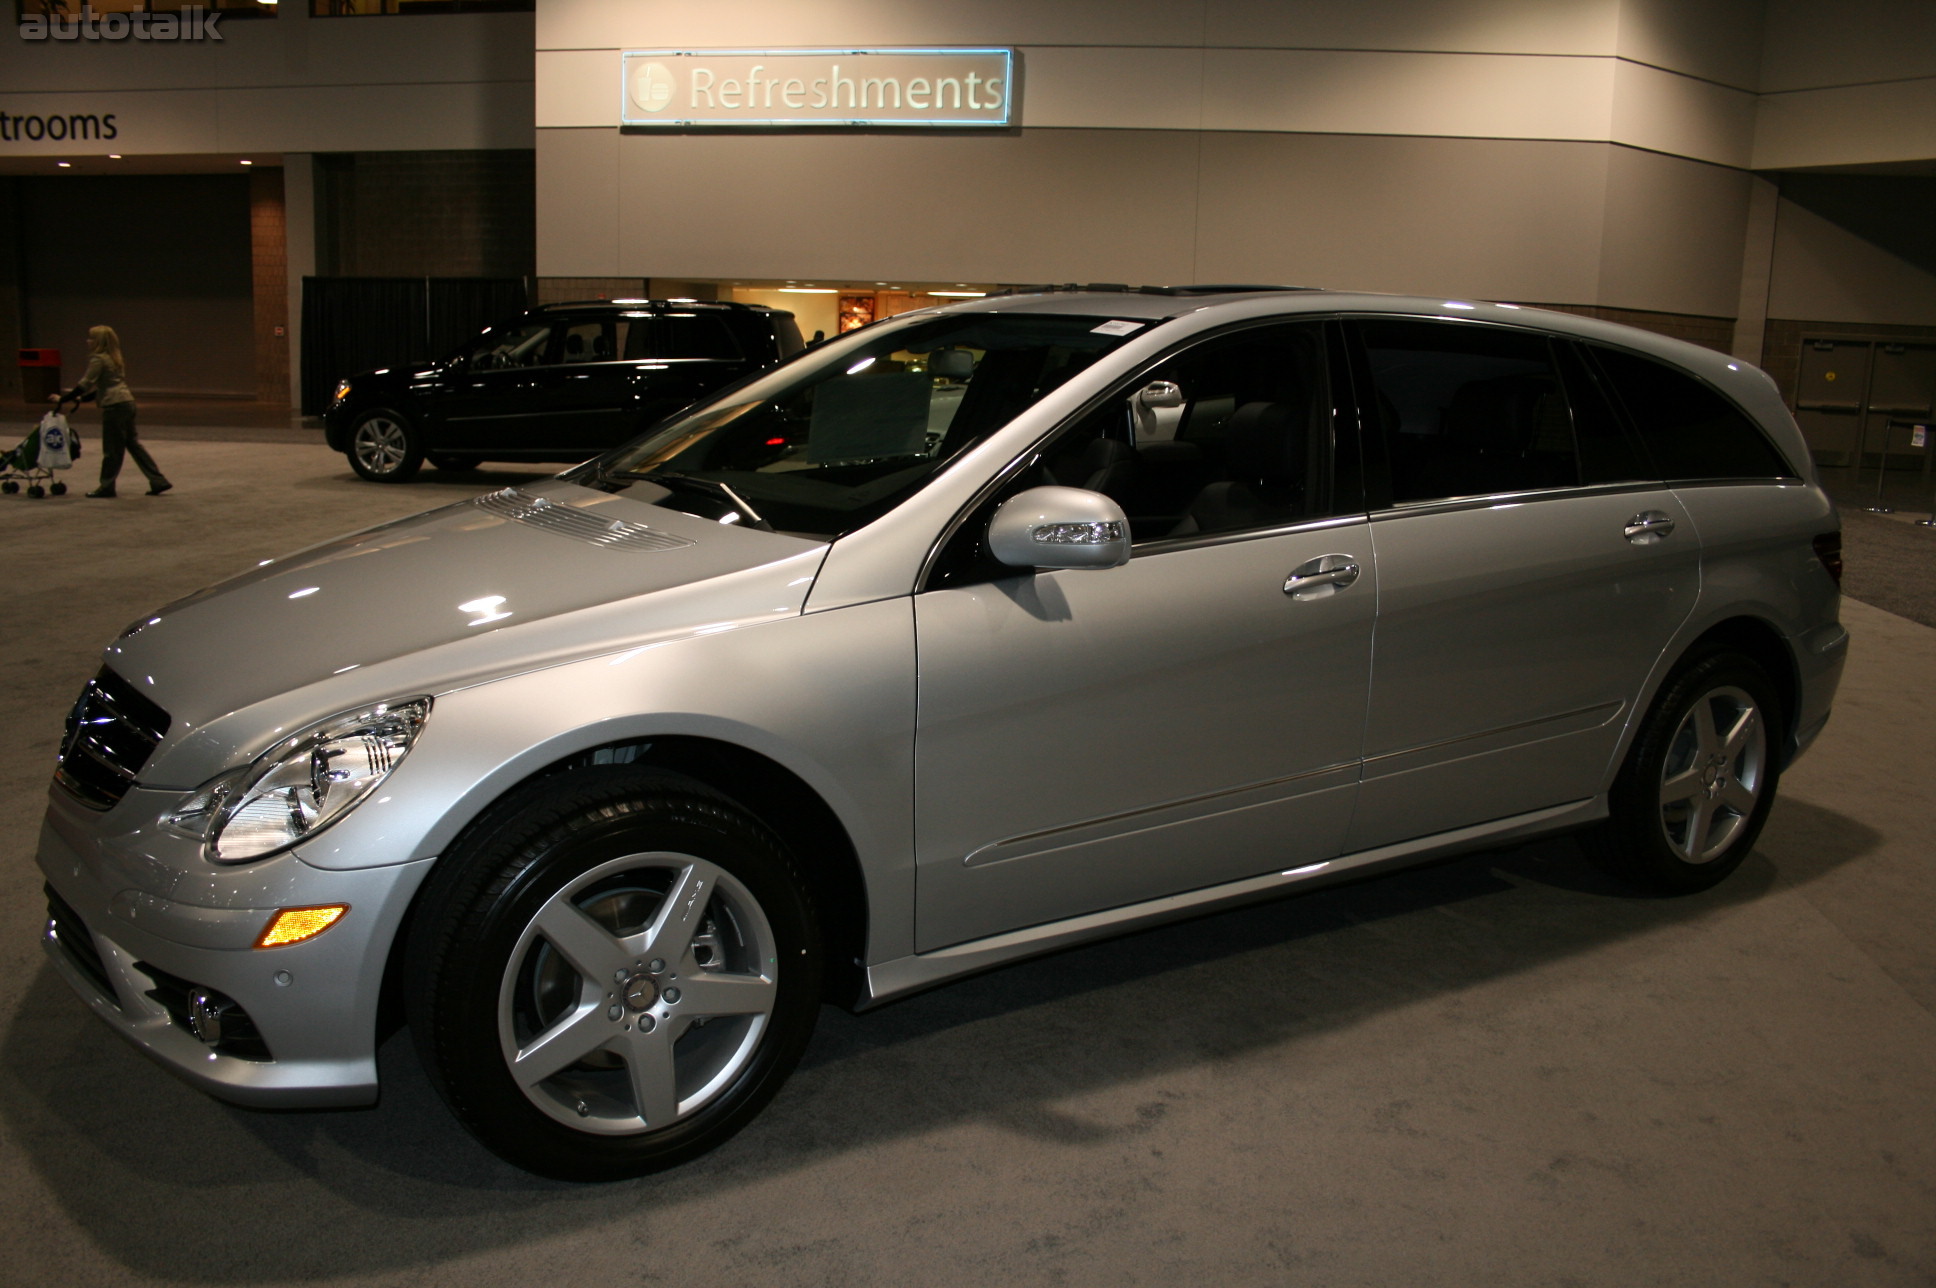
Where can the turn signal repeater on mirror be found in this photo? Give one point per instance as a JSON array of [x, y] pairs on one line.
[[298, 925]]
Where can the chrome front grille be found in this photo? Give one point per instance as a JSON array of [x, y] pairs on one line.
[[578, 524], [111, 732]]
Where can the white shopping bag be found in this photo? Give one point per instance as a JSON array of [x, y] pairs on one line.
[[56, 443]]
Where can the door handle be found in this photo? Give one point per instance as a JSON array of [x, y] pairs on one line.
[[1325, 575], [1648, 527]]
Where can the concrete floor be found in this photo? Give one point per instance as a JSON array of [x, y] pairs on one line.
[[1495, 1071]]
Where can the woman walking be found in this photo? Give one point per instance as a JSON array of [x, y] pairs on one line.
[[106, 382]]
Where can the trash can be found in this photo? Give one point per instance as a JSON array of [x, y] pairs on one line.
[[40, 374]]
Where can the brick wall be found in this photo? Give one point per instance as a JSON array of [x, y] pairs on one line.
[[269, 269], [558, 290], [426, 214], [1781, 345]]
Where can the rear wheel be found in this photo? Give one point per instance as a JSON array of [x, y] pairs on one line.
[[1699, 779], [384, 447], [612, 973]]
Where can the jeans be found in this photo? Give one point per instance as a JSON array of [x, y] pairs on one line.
[[118, 436]]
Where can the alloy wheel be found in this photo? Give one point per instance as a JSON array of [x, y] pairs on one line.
[[1713, 774], [637, 994], [381, 445]]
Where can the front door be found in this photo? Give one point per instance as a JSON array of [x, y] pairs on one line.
[[1088, 740]]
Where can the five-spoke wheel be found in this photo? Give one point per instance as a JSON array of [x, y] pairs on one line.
[[1698, 780], [638, 992], [612, 971]]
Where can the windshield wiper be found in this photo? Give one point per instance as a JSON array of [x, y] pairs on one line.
[[715, 488]]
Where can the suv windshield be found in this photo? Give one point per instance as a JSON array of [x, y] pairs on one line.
[[841, 435]]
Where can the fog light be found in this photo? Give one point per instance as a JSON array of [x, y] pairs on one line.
[[294, 925], [205, 1010]]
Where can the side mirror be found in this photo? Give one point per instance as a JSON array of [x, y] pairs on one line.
[[1158, 409], [1059, 527]]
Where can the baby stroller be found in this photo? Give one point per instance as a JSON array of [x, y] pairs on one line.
[[49, 446]]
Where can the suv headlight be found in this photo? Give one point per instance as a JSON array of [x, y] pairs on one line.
[[342, 392], [301, 785]]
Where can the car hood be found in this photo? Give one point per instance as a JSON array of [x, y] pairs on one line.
[[512, 580]]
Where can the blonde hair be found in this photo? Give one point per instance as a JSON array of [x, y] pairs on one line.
[[102, 339]]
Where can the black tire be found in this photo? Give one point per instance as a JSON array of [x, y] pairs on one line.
[[9, 487], [385, 446], [58, 489], [499, 968], [1698, 781], [36, 491], [444, 463]]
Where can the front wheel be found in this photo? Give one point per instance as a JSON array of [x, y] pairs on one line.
[[612, 973], [385, 447], [1698, 781]]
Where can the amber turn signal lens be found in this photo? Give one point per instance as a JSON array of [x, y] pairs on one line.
[[293, 925]]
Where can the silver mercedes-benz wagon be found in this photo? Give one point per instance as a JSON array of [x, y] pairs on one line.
[[970, 635]]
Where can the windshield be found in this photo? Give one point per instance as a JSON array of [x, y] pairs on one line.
[[839, 436]]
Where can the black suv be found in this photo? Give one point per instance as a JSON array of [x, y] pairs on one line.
[[560, 383]]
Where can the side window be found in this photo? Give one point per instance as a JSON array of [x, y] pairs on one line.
[[1467, 410], [1691, 431], [679, 335], [1608, 452], [588, 341], [515, 346], [1231, 434]]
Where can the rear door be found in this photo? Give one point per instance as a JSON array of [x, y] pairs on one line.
[[1531, 568], [673, 358]]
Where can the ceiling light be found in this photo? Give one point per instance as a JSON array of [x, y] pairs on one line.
[[114, 156], [248, 163], [65, 165]]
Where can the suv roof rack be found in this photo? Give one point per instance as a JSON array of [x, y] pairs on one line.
[[1119, 288], [634, 303]]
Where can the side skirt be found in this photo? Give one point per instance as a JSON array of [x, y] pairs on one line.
[[911, 974]]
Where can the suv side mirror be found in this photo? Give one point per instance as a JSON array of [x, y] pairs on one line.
[[1158, 411], [1059, 527]]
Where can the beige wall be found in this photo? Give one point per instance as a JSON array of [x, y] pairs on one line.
[[288, 84], [1502, 219], [1825, 273], [1847, 82], [1582, 150]]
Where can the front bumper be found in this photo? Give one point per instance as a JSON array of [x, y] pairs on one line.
[[129, 949]]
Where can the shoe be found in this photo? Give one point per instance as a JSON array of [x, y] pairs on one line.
[[157, 488], [107, 492]]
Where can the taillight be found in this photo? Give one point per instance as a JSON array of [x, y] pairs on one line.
[[1828, 548]]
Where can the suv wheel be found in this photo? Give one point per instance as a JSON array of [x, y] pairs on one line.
[[612, 972], [1698, 781], [384, 447]]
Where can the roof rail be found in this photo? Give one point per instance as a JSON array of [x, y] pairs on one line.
[[630, 302], [1118, 288]]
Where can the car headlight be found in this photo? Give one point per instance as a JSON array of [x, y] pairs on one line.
[[301, 785], [342, 391]]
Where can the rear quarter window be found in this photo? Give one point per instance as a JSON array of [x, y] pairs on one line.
[[680, 336], [1689, 430]]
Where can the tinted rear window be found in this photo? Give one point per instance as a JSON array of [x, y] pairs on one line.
[[1691, 431], [676, 335]]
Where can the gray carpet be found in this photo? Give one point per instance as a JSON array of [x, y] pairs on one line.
[[1889, 563], [1496, 1071]]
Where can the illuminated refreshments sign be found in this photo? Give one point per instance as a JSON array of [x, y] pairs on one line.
[[821, 88]]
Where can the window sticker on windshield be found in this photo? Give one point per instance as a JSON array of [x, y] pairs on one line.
[[1118, 327]]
